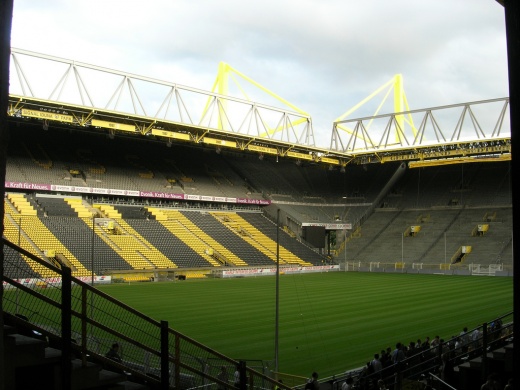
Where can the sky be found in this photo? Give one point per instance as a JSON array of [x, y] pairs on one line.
[[323, 56]]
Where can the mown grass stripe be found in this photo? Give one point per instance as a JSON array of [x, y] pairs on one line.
[[328, 322]]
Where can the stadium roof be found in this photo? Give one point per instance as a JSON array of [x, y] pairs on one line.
[[66, 97]]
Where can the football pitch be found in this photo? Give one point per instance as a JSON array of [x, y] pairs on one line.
[[328, 322]]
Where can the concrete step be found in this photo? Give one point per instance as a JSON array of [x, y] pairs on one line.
[[27, 360], [127, 385], [92, 376], [31, 363], [8, 329], [110, 378], [509, 353], [24, 351], [499, 353], [84, 376]]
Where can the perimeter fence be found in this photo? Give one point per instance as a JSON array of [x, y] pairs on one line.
[[84, 322]]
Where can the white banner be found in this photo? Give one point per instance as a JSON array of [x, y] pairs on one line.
[[43, 283], [238, 272]]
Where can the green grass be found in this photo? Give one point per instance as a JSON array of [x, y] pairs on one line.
[[328, 322]]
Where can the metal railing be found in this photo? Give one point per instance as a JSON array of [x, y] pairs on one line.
[[64, 308], [436, 364]]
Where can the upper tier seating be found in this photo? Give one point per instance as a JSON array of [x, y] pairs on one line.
[[305, 192]]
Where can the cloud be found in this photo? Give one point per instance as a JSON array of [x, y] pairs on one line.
[[322, 56]]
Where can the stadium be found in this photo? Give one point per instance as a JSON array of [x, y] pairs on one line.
[[148, 231]]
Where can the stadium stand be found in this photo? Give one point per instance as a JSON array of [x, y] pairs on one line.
[[26, 268], [68, 230], [291, 254], [52, 206], [209, 222], [132, 246], [446, 203], [212, 247], [454, 219], [169, 244], [186, 236]]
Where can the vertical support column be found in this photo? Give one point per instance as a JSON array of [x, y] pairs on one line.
[[165, 369], [277, 293], [243, 375], [6, 18], [177, 360], [484, 352], [512, 22], [398, 107], [223, 80], [66, 328], [92, 248], [84, 317]]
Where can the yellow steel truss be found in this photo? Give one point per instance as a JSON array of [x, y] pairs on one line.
[[400, 105], [221, 86], [177, 120]]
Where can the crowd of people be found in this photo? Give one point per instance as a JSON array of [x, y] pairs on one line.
[[416, 358], [423, 356]]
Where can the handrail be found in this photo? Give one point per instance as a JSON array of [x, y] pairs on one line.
[[418, 365], [447, 385], [150, 350]]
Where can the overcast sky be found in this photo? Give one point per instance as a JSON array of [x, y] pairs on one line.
[[322, 56]]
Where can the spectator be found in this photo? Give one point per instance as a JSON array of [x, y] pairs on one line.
[[276, 387], [475, 338], [222, 376], [426, 343], [381, 385], [411, 349], [458, 346], [348, 384], [451, 345], [313, 383], [464, 339], [447, 370], [497, 329], [435, 343], [377, 366], [388, 357], [445, 347], [414, 357], [113, 353], [398, 354], [491, 383], [363, 378], [384, 358], [236, 378]]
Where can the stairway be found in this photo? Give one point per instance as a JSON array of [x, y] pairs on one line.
[[30, 363], [500, 360]]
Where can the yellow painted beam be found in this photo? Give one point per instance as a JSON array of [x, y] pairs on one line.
[[219, 142], [113, 125], [461, 160], [171, 134]]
